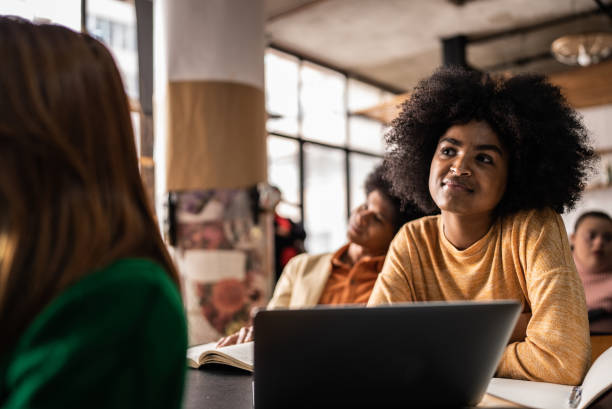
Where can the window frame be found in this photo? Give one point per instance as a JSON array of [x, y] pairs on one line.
[[346, 149]]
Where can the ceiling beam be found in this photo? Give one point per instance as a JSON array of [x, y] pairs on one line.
[[480, 38], [460, 3], [605, 8], [293, 10], [545, 55], [453, 51]]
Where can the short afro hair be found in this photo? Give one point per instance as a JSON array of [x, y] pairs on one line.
[[594, 213], [404, 211], [549, 153]]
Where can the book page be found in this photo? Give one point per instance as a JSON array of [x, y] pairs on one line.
[[239, 356], [194, 353], [598, 379], [537, 395], [240, 352]]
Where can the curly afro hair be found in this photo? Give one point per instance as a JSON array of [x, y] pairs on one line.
[[404, 211], [549, 153]]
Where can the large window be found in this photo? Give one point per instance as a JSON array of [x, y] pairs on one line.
[[111, 21], [114, 23], [64, 12], [319, 150]]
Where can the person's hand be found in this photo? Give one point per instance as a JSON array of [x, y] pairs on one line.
[[520, 329], [244, 335]]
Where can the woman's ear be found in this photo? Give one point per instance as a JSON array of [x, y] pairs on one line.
[[571, 240]]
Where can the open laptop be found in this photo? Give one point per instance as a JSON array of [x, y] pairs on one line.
[[417, 355]]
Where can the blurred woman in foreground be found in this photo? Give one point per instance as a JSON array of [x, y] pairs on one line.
[[90, 312]]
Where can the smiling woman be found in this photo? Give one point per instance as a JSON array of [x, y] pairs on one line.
[[499, 159]]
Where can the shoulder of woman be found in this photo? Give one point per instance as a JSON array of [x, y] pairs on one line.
[[310, 258], [127, 316], [306, 260], [119, 296], [426, 226], [546, 217], [539, 230], [133, 277]]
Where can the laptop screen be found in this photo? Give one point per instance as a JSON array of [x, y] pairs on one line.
[[401, 355]]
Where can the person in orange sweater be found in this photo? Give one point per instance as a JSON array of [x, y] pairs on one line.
[[499, 159]]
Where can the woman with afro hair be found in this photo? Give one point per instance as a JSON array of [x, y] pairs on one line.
[[498, 159]]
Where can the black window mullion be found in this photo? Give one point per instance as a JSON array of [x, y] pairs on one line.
[[83, 16], [301, 173], [326, 145], [300, 118], [347, 169]]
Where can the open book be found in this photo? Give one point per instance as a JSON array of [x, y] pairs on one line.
[[239, 356], [543, 395]]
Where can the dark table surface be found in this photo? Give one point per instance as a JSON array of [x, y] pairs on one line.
[[224, 387], [218, 387]]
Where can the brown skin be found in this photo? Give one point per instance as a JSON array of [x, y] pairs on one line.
[[592, 244], [369, 232], [467, 180], [370, 228]]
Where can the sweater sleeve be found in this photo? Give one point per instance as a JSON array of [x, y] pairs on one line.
[[112, 341], [393, 283], [557, 344]]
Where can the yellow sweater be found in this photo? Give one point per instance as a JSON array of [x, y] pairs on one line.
[[524, 256]]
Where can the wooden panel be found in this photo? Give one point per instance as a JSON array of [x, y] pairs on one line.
[[147, 165], [588, 86], [216, 135], [583, 87], [386, 111], [599, 344]]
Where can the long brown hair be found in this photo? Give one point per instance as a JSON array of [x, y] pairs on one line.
[[71, 197]]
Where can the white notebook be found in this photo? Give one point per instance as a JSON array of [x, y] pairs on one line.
[[543, 395]]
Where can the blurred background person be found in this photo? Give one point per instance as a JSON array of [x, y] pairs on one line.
[[90, 311], [592, 250], [346, 276]]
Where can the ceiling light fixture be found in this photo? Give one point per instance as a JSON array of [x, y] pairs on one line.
[[582, 49]]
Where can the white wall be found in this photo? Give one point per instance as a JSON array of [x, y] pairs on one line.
[[598, 121]]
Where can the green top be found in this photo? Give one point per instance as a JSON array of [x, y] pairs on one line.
[[115, 339]]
